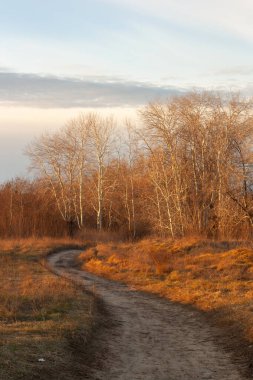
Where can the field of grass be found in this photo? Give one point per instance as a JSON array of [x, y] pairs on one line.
[[45, 320], [215, 277]]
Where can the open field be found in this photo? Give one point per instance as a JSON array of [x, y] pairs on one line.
[[213, 277], [45, 321]]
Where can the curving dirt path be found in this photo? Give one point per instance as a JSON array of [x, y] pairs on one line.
[[149, 338]]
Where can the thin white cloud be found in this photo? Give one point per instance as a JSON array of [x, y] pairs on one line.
[[233, 17], [236, 70]]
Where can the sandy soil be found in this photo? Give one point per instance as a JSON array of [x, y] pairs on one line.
[[148, 337]]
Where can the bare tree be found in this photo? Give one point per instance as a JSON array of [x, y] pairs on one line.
[[100, 139], [61, 159], [204, 144]]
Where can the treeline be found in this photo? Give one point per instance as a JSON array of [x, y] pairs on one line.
[[185, 169]]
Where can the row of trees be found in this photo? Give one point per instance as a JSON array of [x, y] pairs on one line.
[[186, 168]]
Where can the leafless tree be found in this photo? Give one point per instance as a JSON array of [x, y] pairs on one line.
[[61, 159], [100, 140]]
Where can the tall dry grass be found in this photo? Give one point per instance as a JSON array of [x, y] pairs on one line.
[[215, 277], [43, 318]]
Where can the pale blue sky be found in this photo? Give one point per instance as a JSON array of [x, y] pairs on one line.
[[60, 56]]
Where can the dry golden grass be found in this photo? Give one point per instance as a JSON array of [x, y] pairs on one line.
[[214, 277], [42, 316]]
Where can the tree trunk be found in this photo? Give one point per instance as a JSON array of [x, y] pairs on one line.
[[71, 228]]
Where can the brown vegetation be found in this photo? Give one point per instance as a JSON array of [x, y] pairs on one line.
[[185, 168], [45, 320], [212, 276]]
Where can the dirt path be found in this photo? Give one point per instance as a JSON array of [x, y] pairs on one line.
[[149, 338]]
